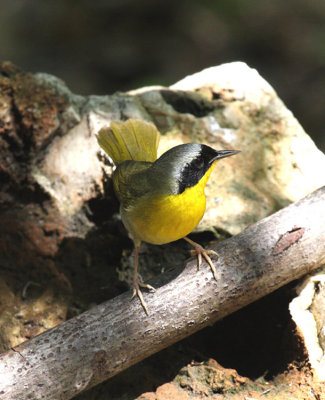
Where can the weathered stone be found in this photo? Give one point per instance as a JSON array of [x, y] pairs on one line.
[[56, 194]]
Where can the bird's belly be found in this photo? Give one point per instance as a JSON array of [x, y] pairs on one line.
[[166, 219]]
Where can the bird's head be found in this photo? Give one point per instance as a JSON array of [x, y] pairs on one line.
[[185, 165]]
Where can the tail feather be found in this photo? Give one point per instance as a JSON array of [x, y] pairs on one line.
[[131, 140]]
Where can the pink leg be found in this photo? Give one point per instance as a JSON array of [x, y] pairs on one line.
[[137, 283]]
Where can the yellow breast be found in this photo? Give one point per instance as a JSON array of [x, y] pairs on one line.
[[164, 219]]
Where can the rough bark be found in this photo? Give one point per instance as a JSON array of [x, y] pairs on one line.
[[109, 338]]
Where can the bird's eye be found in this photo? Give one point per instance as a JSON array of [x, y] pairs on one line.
[[197, 163]]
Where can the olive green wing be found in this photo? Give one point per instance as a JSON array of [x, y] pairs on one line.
[[131, 182]]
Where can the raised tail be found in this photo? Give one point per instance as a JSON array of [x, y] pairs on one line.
[[131, 140]]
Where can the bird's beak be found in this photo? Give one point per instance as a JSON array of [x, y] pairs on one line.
[[224, 154]]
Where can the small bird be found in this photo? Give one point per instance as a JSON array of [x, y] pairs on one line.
[[161, 200]]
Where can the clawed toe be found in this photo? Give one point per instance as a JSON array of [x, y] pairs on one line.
[[200, 252], [137, 292], [212, 252]]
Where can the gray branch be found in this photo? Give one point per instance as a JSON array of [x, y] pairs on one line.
[[111, 337]]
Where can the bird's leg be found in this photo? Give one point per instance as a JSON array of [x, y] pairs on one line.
[[199, 251], [137, 283]]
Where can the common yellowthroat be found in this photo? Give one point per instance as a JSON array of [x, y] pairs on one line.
[[161, 200]]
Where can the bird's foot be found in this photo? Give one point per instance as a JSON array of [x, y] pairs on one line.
[[199, 251], [137, 292]]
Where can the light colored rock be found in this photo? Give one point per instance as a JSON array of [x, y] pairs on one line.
[[228, 107], [310, 322], [279, 162]]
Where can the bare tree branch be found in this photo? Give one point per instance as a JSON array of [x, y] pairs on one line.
[[111, 337]]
